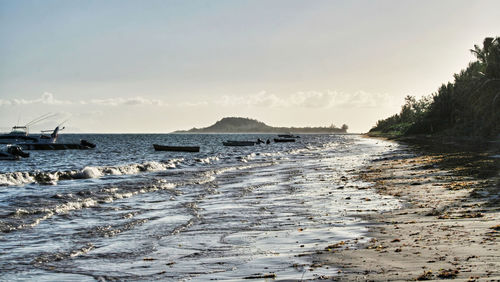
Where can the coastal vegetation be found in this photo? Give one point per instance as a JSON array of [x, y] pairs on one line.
[[468, 106], [247, 125]]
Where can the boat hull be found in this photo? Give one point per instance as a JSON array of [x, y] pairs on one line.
[[238, 143], [8, 157], [54, 146], [193, 149], [6, 139], [283, 140], [288, 136]]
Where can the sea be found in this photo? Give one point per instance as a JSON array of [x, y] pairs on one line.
[[123, 211]]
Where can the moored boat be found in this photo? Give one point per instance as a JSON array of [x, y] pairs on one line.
[[12, 152], [283, 140], [20, 133], [83, 145], [288, 136], [238, 143], [176, 148]]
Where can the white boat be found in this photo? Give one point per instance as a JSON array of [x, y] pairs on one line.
[[21, 137], [20, 134]]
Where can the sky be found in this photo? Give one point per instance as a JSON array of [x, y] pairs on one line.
[[159, 66]]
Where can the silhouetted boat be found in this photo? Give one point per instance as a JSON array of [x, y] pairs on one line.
[[176, 148], [288, 136], [282, 140], [84, 145], [238, 143], [12, 152]]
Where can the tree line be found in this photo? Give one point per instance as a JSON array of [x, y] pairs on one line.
[[468, 106]]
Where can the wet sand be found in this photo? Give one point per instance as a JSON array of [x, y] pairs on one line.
[[448, 229]]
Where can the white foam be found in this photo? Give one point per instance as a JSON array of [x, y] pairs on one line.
[[208, 160], [22, 178], [70, 206], [16, 178], [90, 172]]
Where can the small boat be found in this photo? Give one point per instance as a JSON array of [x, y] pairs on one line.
[[20, 136], [238, 143], [12, 152], [84, 145], [282, 140], [20, 133], [288, 136], [176, 148]]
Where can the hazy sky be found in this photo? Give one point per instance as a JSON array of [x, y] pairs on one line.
[[159, 66]]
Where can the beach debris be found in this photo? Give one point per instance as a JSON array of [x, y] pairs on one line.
[[261, 276], [444, 216], [470, 257], [335, 246], [325, 277], [448, 274], [427, 275], [496, 227], [457, 185], [316, 265], [148, 259], [434, 212], [470, 214]]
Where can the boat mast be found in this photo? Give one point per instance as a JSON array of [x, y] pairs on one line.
[[33, 122]]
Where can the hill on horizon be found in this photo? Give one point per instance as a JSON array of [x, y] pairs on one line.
[[247, 125]]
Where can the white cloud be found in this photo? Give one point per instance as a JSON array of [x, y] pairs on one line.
[[307, 99], [46, 98], [361, 99], [125, 101], [193, 104], [49, 99], [313, 99], [261, 99], [331, 99]]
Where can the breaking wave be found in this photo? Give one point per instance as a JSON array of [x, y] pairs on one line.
[[51, 178]]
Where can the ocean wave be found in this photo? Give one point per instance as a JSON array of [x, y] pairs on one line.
[[51, 178], [31, 217], [208, 160]]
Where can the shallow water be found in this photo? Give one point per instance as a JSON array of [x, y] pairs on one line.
[[123, 211]]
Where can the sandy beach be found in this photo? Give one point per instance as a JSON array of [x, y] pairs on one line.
[[448, 227]]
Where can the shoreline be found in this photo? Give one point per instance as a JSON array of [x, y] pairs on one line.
[[448, 227]]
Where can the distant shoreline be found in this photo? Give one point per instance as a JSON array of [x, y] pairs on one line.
[[199, 133]]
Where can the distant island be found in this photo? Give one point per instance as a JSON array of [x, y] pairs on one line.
[[247, 125]]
